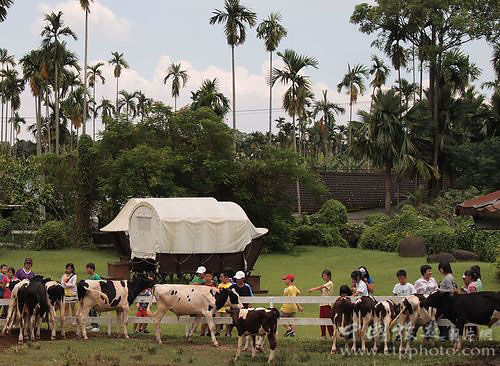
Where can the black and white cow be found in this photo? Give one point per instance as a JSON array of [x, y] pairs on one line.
[[13, 314], [106, 295], [385, 312], [256, 323], [33, 305], [481, 308], [363, 317], [342, 312], [55, 296], [196, 301]]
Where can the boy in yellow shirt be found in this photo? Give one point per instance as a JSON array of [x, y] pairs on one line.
[[290, 310]]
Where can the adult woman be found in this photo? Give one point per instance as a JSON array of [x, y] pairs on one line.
[[68, 281], [25, 272], [447, 284]]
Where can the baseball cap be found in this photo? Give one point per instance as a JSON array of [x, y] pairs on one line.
[[201, 270], [362, 270], [239, 275], [290, 277]]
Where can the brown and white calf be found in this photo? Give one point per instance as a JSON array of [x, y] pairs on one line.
[[256, 323], [105, 295], [410, 315], [385, 312], [363, 317], [342, 320], [55, 295], [192, 300], [13, 314]]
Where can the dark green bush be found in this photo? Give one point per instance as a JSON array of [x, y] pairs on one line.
[[374, 219], [5, 227], [280, 237], [52, 235], [319, 235], [332, 213], [487, 245], [465, 237], [352, 232], [439, 238]]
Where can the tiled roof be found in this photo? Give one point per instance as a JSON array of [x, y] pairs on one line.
[[488, 205]]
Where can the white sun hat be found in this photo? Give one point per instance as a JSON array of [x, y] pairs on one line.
[[201, 270], [239, 275]]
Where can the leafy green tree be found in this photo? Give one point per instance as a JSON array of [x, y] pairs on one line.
[[208, 95], [272, 32], [94, 76], [52, 33], [118, 61], [353, 81], [235, 18], [179, 79]]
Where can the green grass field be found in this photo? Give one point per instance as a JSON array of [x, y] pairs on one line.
[[307, 264]]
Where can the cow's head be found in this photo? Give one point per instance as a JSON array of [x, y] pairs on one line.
[[138, 284], [235, 313], [342, 314], [438, 300], [227, 297]]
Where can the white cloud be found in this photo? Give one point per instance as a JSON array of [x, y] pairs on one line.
[[102, 20]]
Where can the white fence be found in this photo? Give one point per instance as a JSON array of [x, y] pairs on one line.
[[109, 320]]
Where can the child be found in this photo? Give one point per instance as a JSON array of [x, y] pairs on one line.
[[479, 283], [90, 269], [199, 278], [368, 280], [325, 310], [290, 310], [470, 282], [345, 291], [403, 288], [359, 287], [3, 274], [5, 286], [225, 282], [68, 281], [208, 282], [142, 312], [449, 285]]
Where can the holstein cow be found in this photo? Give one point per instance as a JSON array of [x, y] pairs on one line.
[[342, 320], [194, 301], [410, 315], [55, 295], [13, 314], [481, 308], [33, 306], [257, 322], [107, 295], [385, 313], [363, 317]]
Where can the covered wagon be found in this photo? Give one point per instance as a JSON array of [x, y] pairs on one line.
[[180, 234]]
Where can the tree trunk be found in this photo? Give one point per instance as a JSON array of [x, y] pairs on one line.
[[434, 101], [56, 91], [175, 103], [350, 124], [38, 128], [414, 76], [116, 106], [234, 88], [47, 116], [270, 97], [297, 183], [6, 129], [93, 113], [388, 189], [85, 105], [1, 122], [71, 136]]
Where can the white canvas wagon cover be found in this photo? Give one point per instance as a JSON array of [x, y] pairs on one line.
[[184, 226]]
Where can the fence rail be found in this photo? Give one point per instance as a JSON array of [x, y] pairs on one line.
[[110, 320]]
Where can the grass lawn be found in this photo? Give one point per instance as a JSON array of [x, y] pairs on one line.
[[307, 264]]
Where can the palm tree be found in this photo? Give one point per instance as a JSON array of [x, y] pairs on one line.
[[143, 104], [32, 65], [4, 5], [179, 79], [5, 60], [12, 87], [119, 62], [406, 91], [73, 107], [235, 17], [85, 4], [354, 83], [94, 75], [16, 122], [107, 110], [127, 101], [209, 95], [272, 32], [300, 88], [53, 31], [380, 72], [327, 109]]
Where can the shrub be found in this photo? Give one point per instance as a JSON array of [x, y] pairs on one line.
[[319, 235], [487, 245], [465, 237], [52, 235], [352, 232], [280, 237], [439, 238], [498, 265], [332, 213], [5, 227], [375, 219]]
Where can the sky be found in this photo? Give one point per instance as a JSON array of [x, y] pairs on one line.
[[154, 33]]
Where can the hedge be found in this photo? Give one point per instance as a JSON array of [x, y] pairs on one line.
[[319, 235], [332, 213], [52, 235]]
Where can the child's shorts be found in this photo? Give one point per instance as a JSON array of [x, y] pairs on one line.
[[142, 313], [287, 315]]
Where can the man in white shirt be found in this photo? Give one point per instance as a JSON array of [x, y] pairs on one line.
[[426, 285], [403, 288]]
